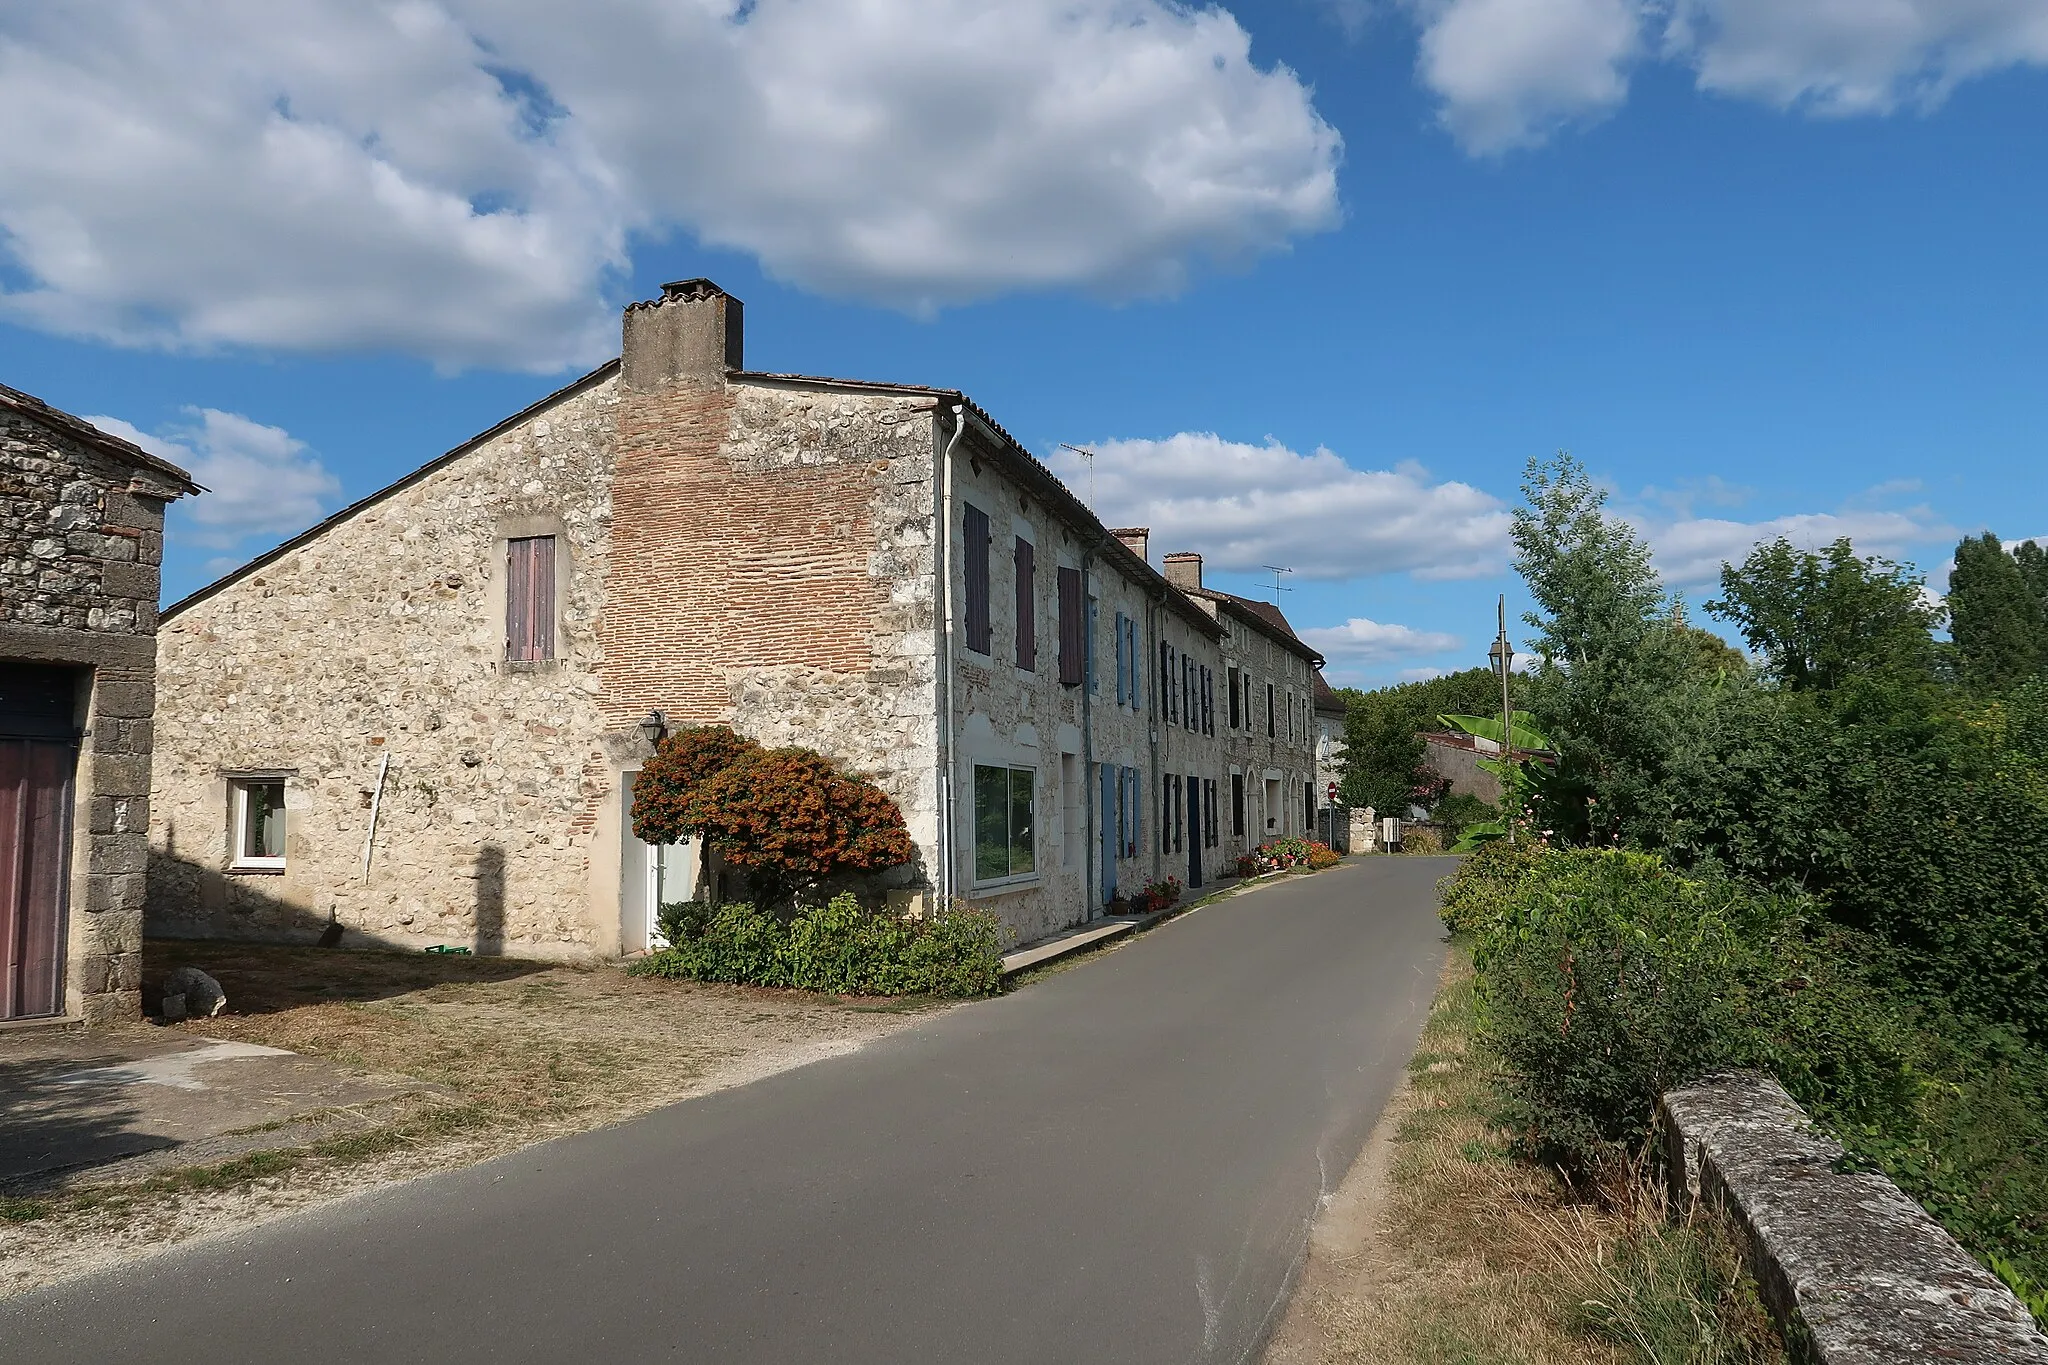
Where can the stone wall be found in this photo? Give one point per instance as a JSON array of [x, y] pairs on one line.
[[1856, 1272], [81, 539], [383, 636]]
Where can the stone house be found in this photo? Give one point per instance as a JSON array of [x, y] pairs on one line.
[[420, 720], [1334, 820], [81, 538]]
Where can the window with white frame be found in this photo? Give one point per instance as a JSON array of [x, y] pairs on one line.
[[256, 814], [1004, 847]]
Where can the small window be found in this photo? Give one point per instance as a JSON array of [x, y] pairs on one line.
[[1027, 605], [258, 815], [1237, 804], [1004, 845], [530, 599], [1272, 723], [1073, 628], [1236, 717]]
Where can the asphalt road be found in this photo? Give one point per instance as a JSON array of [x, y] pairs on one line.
[[1118, 1164]]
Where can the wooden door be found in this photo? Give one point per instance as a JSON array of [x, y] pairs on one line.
[[35, 849]]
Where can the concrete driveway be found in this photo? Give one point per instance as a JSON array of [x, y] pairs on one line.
[[1118, 1163]]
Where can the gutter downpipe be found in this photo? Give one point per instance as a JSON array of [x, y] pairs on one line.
[[948, 876]]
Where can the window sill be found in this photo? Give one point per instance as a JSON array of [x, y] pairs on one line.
[[980, 890], [266, 869], [532, 665]]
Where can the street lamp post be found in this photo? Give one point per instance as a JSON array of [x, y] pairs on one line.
[[1502, 654]]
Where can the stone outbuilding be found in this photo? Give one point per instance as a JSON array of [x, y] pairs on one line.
[[81, 539], [420, 721]]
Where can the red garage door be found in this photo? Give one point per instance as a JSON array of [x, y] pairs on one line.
[[38, 754]]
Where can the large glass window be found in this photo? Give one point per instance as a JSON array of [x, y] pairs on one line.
[[258, 815], [1003, 827]]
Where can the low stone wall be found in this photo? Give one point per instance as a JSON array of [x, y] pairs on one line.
[[1855, 1271]]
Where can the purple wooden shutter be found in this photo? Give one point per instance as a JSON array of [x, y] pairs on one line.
[[1073, 631], [976, 545], [1027, 606], [530, 598]]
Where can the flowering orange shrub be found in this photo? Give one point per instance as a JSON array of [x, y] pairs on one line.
[[1278, 855], [689, 757], [790, 819]]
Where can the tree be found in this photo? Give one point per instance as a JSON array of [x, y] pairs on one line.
[[1383, 732], [1620, 683], [1995, 617], [1819, 620], [2033, 562]]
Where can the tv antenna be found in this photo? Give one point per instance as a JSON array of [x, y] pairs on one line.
[[1089, 456], [1276, 570]]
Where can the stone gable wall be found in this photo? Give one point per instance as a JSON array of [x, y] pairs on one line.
[[384, 636], [81, 539]]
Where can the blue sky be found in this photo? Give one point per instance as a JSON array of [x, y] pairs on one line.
[[1764, 267]]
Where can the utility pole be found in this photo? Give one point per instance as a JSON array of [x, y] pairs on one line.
[[1502, 655]]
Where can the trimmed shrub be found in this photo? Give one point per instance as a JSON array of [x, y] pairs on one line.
[[790, 820], [838, 947], [681, 921], [1485, 883], [684, 761]]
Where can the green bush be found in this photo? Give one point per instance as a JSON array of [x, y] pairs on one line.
[[1421, 839], [681, 921], [839, 947], [1459, 811], [1608, 980], [1484, 883]]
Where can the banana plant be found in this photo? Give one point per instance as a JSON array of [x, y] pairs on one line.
[[1520, 783]]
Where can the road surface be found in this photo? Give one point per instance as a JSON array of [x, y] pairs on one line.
[[1118, 1163]]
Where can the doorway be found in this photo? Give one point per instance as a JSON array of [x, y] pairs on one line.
[[650, 876], [38, 764]]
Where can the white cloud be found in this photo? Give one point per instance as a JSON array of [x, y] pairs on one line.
[[1361, 643], [260, 480], [1510, 72], [462, 179], [1854, 56], [1244, 506], [1690, 552]]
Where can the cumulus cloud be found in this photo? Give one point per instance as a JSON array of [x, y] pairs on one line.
[[1361, 643], [260, 480], [463, 179], [1245, 506], [1511, 72], [1690, 552]]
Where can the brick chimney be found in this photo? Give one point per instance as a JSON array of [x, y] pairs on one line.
[[1135, 538], [1184, 571], [692, 334]]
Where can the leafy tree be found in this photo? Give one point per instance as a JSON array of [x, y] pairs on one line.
[[2033, 562], [1995, 616], [1819, 620], [1620, 685], [1383, 732]]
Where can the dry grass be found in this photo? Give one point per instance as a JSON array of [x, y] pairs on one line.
[[1469, 1256], [512, 1052]]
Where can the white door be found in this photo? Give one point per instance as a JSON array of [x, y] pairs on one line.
[[650, 876]]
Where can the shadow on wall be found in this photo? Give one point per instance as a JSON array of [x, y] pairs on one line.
[[194, 900]]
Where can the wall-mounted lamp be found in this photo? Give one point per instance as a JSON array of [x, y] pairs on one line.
[[654, 728]]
